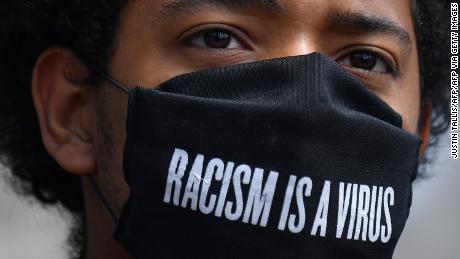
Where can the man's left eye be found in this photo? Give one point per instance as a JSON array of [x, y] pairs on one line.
[[366, 61], [215, 39]]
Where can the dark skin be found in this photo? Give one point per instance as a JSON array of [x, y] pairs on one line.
[[156, 41]]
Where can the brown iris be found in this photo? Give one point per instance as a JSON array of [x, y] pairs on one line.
[[217, 39], [364, 60]]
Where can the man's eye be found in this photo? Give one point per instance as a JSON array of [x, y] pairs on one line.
[[367, 61], [215, 39]]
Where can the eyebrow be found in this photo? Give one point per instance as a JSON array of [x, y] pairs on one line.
[[178, 7], [372, 24]]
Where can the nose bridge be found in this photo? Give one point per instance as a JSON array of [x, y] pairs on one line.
[[299, 35], [301, 43], [302, 27]]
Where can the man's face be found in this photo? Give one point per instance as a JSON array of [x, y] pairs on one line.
[[157, 40]]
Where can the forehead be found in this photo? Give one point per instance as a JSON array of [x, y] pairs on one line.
[[397, 10]]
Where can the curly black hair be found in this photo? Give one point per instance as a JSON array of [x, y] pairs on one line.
[[87, 28]]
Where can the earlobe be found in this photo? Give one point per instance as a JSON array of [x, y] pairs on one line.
[[65, 110], [425, 125]]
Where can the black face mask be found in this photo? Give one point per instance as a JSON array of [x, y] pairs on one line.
[[284, 158]]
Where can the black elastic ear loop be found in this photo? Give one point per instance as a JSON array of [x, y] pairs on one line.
[[99, 192], [103, 199], [109, 79]]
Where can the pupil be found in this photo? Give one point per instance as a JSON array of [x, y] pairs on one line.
[[217, 39], [363, 60]]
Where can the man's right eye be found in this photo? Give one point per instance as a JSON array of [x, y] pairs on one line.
[[215, 39]]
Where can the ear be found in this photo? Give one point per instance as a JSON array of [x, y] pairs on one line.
[[424, 129], [65, 110]]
